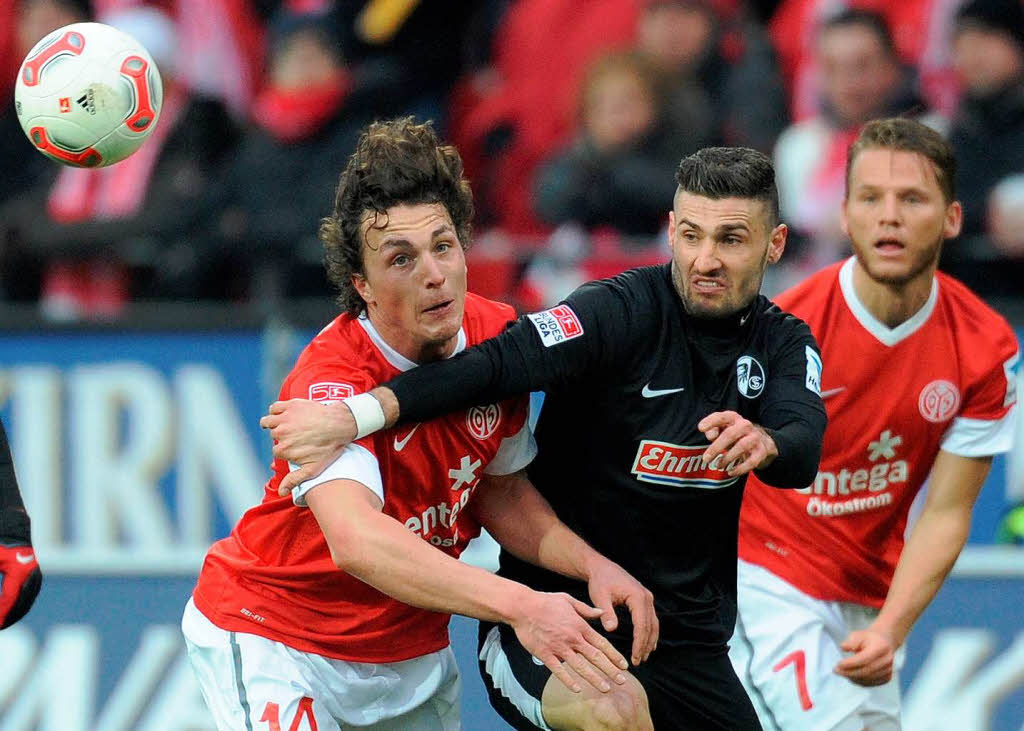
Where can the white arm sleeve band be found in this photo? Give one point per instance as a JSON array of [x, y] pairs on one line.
[[367, 413], [514, 453], [980, 437], [354, 463]]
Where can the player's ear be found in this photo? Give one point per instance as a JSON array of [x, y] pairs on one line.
[[777, 243], [362, 287], [844, 222], [671, 229], [954, 220]]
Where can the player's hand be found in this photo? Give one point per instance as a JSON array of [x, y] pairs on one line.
[[554, 629], [308, 434], [610, 584], [872, 660], [20, 580], [744, 445]]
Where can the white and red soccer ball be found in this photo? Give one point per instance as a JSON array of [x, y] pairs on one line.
[[88, 95]]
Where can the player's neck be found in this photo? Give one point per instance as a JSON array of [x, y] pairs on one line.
[[892, 304], [409, 347]]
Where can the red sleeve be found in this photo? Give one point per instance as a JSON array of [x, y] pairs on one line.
[[327, 382], [518, 408], [991, 390]]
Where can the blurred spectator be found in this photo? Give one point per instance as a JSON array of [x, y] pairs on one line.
[[862, 78], [511, 116], [265, 210], [99, 237], [721, 83], [619, 171], [988, 136], [221, 46], [920, 30], [29, 20], [414, 48]]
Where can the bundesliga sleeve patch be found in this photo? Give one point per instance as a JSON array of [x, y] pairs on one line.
[[330, 393], [556, 325], [813, 378]]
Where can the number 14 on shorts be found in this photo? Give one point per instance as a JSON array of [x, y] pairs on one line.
[[272, 716]]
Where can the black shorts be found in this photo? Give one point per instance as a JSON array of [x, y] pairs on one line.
[[687, 688]]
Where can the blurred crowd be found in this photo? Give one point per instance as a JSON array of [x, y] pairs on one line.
[[571, 117]]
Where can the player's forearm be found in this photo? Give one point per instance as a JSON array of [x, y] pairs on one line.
[[799, 451], [509, 364], [524, 524], [927, 559], [388, 404], [381, 552]]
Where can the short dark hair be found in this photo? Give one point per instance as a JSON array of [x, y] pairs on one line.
[[907, 135], [870, 20], [395, 162], [730, 172]]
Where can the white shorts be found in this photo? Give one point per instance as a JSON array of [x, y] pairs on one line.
[[249, 682], [784, 649]]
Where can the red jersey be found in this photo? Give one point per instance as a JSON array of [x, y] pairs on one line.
[[894, 396], [274, 577]]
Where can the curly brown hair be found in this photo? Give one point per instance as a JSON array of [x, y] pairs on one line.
[[396, 162]]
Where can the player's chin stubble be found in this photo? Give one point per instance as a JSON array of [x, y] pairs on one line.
[[927, 259]]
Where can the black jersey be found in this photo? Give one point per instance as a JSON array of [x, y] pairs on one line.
[[628, 375], [14, 522]]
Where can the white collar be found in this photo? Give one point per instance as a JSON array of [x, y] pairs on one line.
[[886, 335], [391, 355]]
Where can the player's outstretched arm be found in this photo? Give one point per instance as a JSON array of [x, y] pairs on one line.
[[929, 554], [380, 551], [785, 455], [312, 435], [523, 522], [20, 578]]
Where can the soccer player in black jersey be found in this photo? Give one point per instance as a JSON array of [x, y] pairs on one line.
[[665, 386], [20, 578]]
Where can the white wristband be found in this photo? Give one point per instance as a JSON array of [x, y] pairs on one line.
[[367, 413]]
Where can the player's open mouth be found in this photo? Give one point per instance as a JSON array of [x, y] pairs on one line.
[[889, 246], [708, 286]]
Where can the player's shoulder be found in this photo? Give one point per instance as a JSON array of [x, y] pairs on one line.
[[970, 313], [483, 318], [639, 289], [983, 339], [339, 339], [334, 362], [809, 296], [777, 324]]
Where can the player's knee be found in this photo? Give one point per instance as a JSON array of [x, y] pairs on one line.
[[619, 710]]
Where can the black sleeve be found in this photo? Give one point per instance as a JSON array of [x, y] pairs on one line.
[[792, 411], [544, 351], [14, 523]]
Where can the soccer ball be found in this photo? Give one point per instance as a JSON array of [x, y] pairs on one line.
[[88, 95]]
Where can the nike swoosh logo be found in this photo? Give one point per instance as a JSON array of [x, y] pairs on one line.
[[24, 559], [400, 443], [649, 392], [832, 392]]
